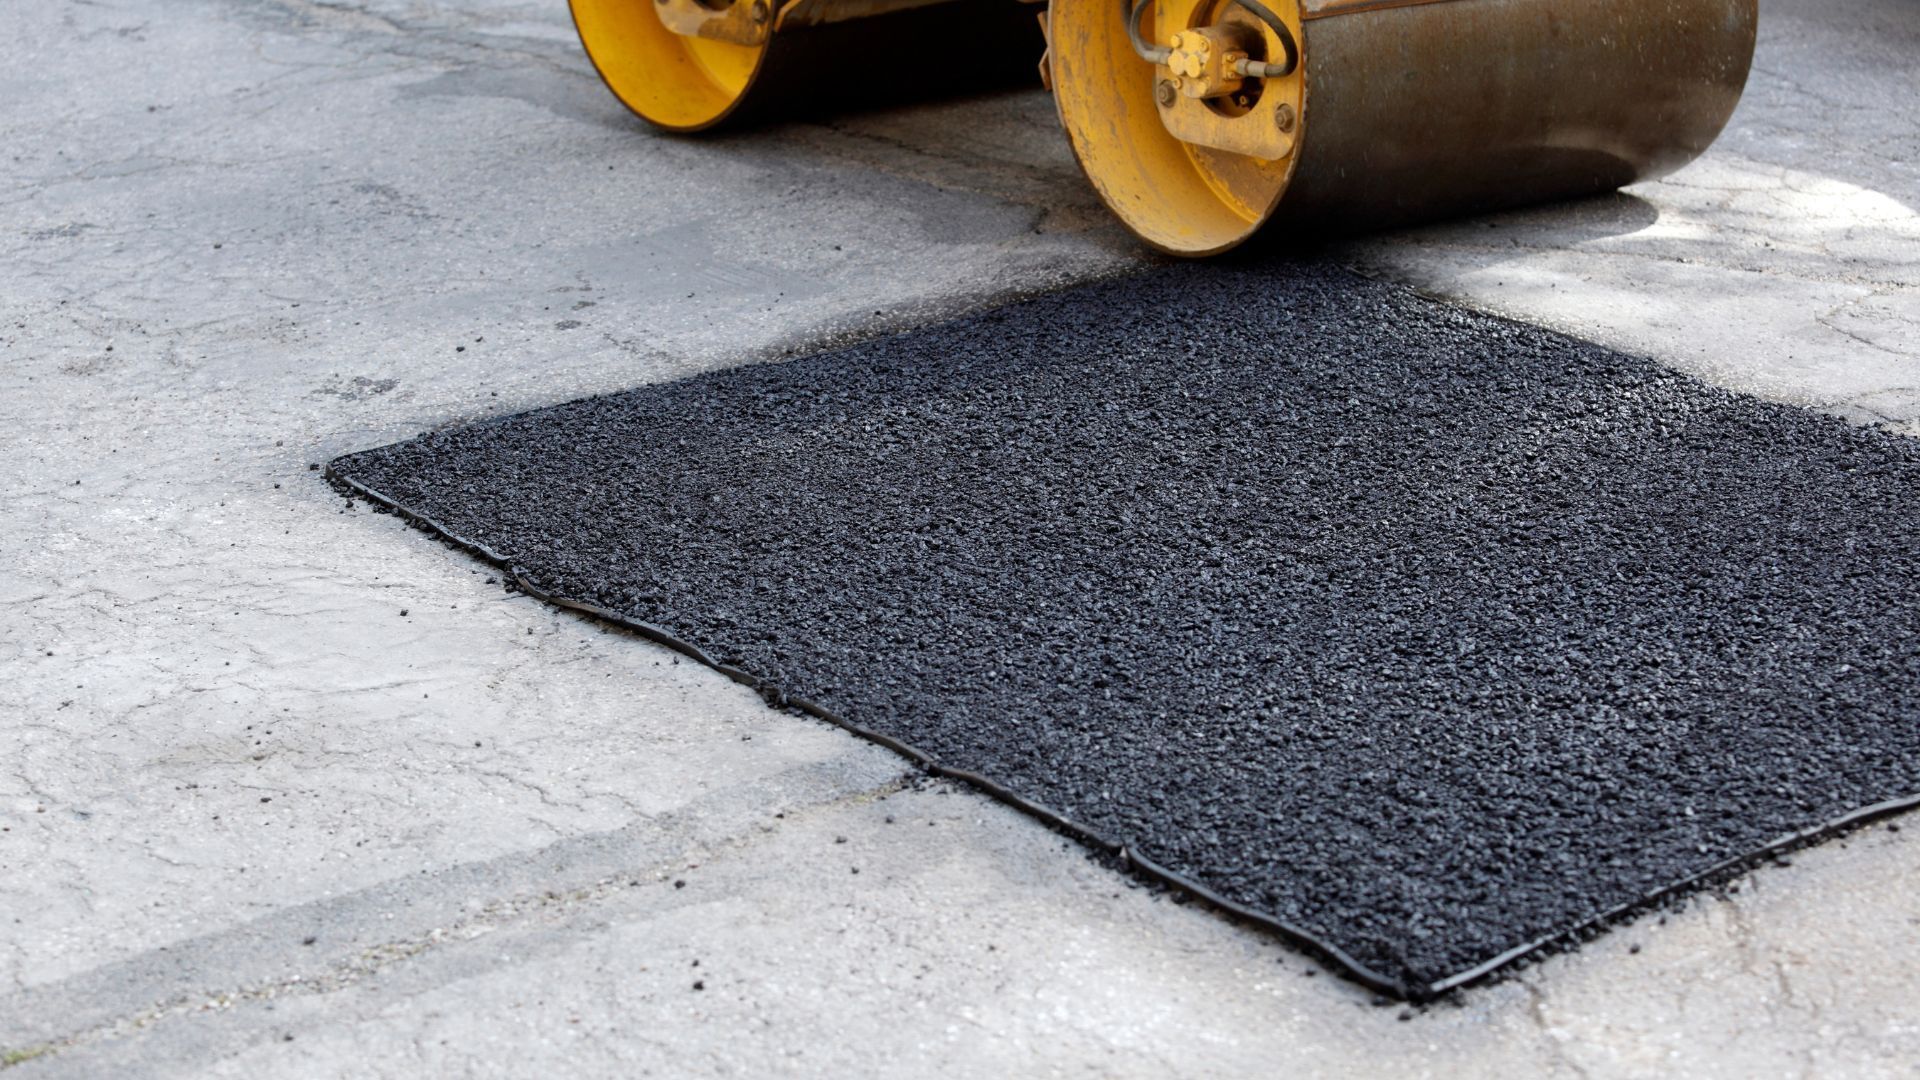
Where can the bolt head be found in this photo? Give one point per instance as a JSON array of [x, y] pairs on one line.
[[1192, 41], [759, 11], [1165, 93], [1284, 118]]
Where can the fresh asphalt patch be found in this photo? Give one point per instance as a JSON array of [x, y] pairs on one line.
[[1422, 635]]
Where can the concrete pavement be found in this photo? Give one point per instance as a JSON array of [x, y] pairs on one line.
[[288, 789]]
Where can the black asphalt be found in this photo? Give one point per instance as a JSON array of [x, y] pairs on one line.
[[1426, 634]]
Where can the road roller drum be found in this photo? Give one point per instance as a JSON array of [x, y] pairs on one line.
[[690, 65], [1200, 122]]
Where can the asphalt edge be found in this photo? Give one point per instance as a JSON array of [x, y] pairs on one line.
[[1133, 862]]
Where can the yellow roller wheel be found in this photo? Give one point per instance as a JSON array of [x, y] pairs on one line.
[[1179, 196], [687, 65], [677, 81], [1224, 114]]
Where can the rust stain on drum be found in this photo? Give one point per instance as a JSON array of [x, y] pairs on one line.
[[1428, 107]]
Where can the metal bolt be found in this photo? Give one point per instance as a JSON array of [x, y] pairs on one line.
[[760, 11], [1165, 93], [1283, 117]]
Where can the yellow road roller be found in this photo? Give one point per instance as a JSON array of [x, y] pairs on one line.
[[1200, 121]]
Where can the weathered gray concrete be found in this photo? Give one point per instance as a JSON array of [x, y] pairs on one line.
[[258, 822]]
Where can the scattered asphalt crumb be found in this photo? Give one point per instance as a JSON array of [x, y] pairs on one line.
[[699, 984], [266, 798], [308, 940], [403, 613], [839, 839], [680, 884], [1634, 948]]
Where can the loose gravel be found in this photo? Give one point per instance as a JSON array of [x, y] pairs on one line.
[[1427, 634]]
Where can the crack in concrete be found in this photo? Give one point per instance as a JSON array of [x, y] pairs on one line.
[[546, 905]]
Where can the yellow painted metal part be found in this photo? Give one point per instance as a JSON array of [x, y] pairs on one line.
[[679, 81], [1210, 107], [1179, 196], [687, 65], [745, 22]]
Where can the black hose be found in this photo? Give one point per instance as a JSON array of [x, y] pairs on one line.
[[1158, 54], [1149, 53], [1287, 44]]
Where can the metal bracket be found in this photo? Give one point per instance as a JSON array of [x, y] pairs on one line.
[[741, 22], [1205, 100]]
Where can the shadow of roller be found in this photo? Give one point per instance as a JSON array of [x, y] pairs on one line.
[[685, 84]]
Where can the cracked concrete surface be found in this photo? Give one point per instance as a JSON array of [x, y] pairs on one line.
[[287, 789]]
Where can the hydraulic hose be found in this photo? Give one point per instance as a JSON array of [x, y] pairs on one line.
[[1157, 54]]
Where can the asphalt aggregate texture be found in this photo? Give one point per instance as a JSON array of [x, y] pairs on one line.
[[1426, 633]]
